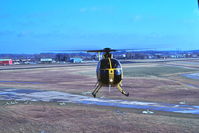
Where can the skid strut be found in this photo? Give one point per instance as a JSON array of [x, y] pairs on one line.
[[98, 86], [122, 91]]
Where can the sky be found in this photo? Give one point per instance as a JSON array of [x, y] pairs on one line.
[[35, 26]]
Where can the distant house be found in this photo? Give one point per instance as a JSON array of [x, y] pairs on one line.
[[46, 60], [76, 60], [4, 62]]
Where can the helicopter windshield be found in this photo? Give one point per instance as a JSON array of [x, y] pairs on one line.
[[105, 64], [115, 63]]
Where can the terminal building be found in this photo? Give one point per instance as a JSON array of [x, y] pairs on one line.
[[5, 62]]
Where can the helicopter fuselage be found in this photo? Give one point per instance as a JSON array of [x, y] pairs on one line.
[[109, 72]]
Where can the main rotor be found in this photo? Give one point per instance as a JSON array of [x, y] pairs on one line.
[[106, 50]]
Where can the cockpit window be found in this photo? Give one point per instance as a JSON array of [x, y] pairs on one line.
[[115, 63], [104, 64]]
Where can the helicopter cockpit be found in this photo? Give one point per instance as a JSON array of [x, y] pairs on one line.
[[106, 65]]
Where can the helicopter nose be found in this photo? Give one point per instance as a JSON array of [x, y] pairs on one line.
[[111, 75]]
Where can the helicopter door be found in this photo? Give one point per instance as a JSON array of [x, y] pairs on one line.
[[117, 70], [103, 72]]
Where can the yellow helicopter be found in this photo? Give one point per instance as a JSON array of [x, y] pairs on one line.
[[109, 72]]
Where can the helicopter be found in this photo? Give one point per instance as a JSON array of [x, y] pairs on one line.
[[109, 72]]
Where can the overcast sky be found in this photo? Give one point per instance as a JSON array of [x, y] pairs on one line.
[[34, 26]]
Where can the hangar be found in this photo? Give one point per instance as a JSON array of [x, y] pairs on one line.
[[5, 62]]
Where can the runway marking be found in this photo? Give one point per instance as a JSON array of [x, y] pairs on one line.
[[55, 96]]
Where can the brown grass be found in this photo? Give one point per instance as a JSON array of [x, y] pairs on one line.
[[91, 119], [172, 89], [85, 119]]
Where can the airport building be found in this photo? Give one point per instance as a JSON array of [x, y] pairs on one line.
[[5, 62], [46, 60], [76, 60]]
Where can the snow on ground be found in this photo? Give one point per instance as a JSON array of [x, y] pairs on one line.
[[55, 96]]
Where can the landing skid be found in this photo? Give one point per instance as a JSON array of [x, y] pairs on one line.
[[99, 85], [122, 90]]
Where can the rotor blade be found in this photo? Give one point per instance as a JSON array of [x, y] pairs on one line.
[[69, 50], [112, 50], [101, 50], [95, 50], [138, 49], [78, 50]]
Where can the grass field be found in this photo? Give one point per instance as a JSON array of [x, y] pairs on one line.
[[154, 71], [145, 82], [147, 71], [76, 118]]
